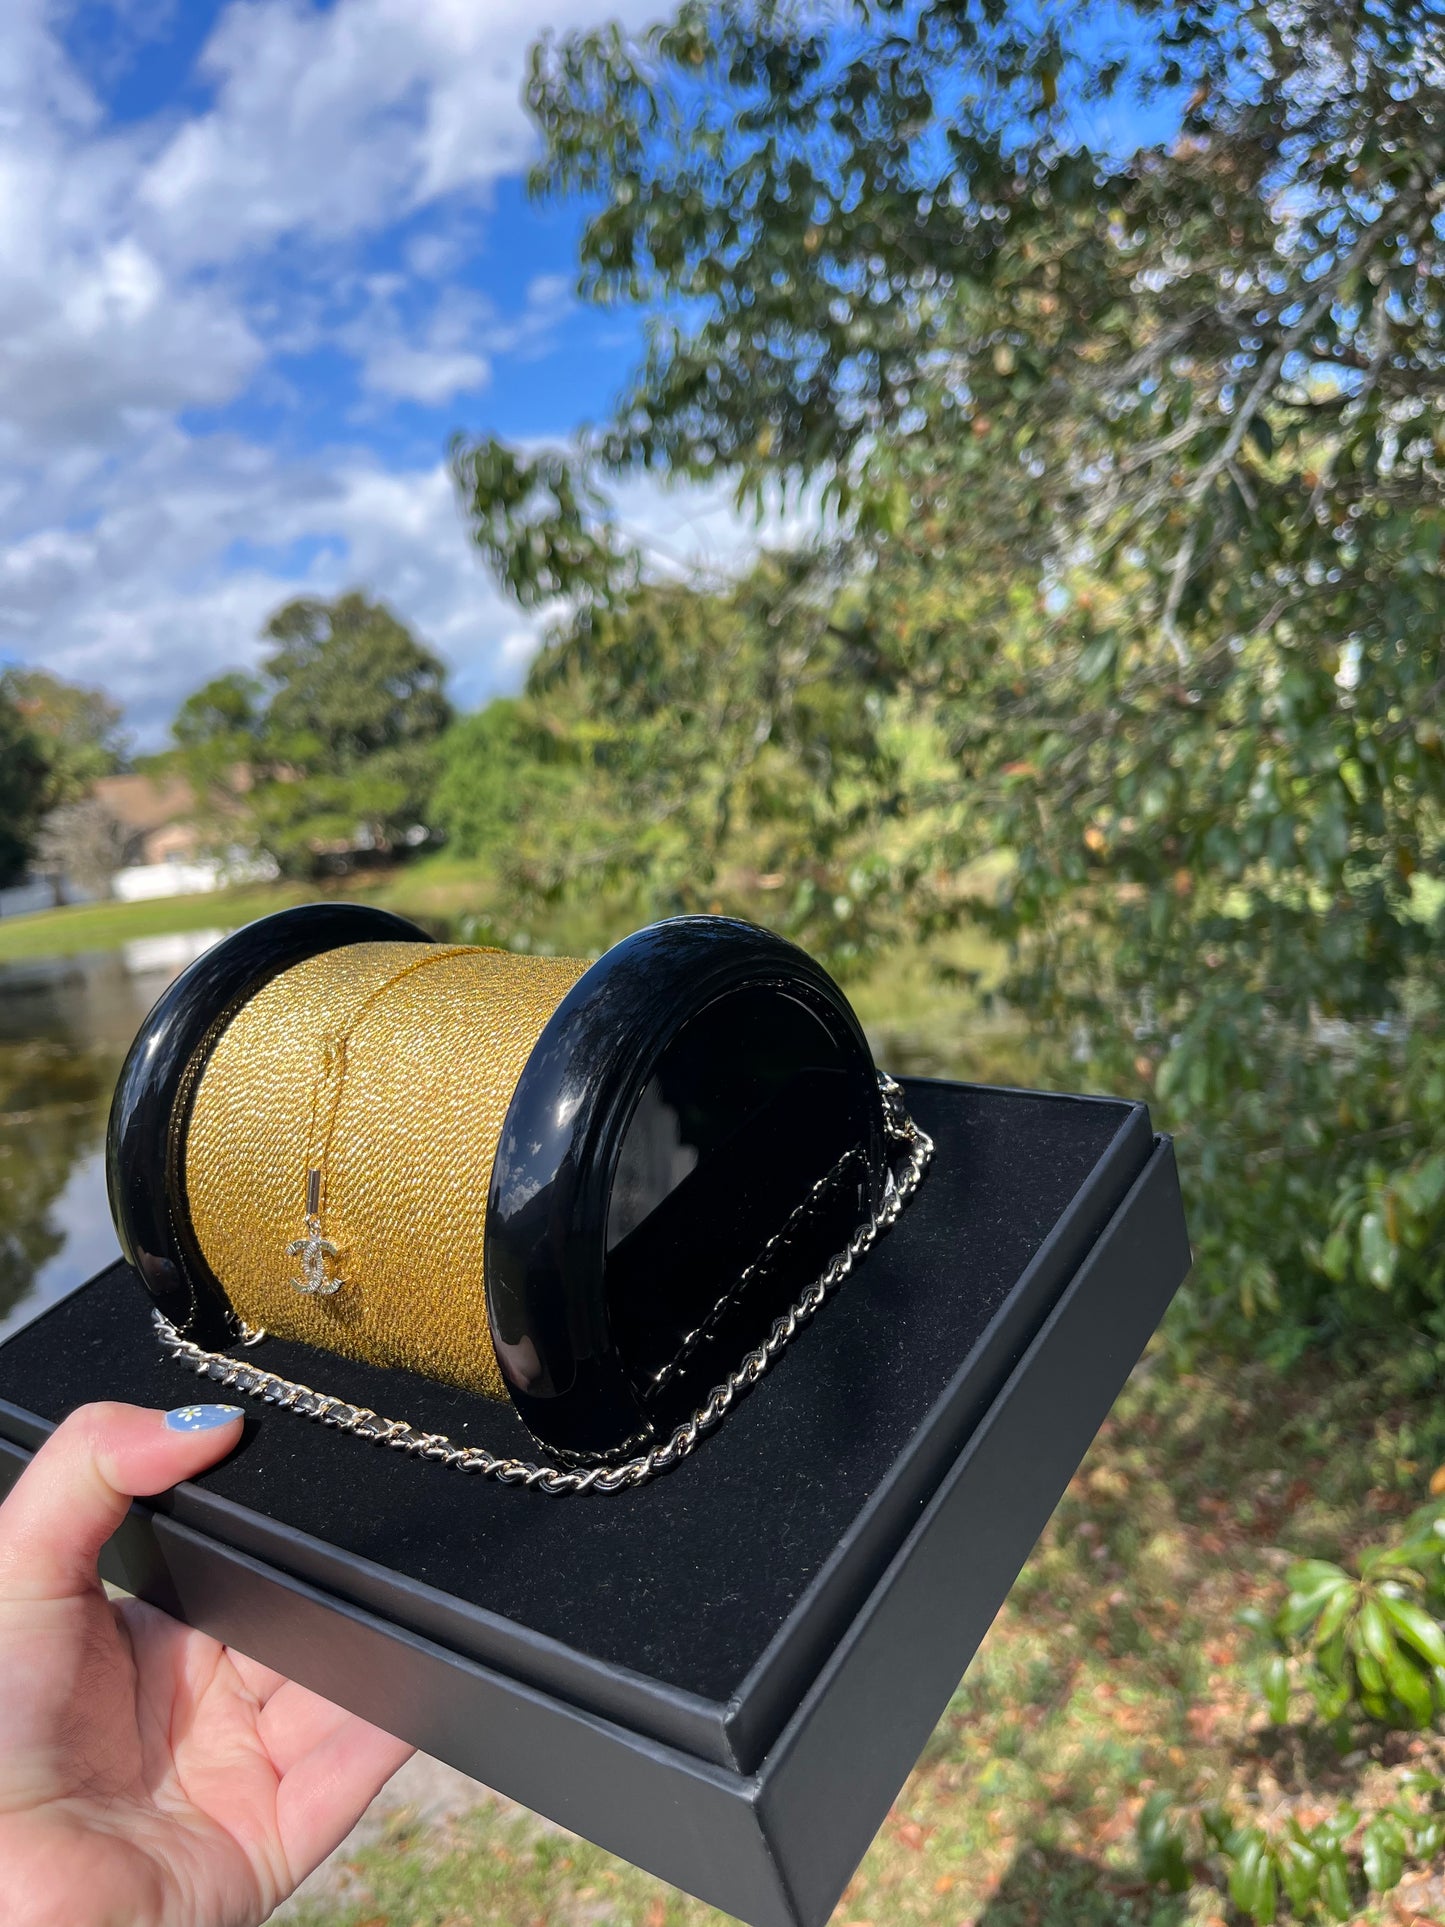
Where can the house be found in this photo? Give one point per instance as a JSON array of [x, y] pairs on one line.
[[156, 813], [163, 849]]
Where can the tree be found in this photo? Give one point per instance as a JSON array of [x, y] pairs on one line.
[[498, 780], [79, 729], [23, 772], [218, 732], [1137, 463], [85, 842], [682, 739], [332, 748], [353, 677], [224, 714]]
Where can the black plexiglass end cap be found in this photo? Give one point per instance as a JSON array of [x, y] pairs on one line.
[[158, 1077], [696, 1131]]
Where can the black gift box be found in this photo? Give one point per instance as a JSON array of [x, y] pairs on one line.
[[727, 1674]]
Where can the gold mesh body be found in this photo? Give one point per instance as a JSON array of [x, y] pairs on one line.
[[390, 1067]]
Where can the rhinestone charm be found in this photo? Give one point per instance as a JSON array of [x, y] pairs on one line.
[[316, 1254]]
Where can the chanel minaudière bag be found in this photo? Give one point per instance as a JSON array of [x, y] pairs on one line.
[[610, 1193]]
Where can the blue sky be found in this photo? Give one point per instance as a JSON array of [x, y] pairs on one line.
[[258, 260]]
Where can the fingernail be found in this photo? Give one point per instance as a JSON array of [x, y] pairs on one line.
[[202, 1418]]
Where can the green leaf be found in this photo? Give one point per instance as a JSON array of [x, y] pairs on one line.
[[1331, 1655], [1339, 1825], [1374, 1691], [1411, 1689], [1379, 1255], [1424, 1633], [1218, 1825], [1246, 1850], [1331, 1697], [1252, 1878], [1400, 1675], [1383, 1852], [1427, 1184], [1266, 1895], [1335, 1612], [1275, 1685], [1315, 1575], [1334, 1887], [1299, 1872], [1311, 1582], [1162, 1852], [1098, 659], [1304, 1605], [1335, 1255], [1373, 1633]]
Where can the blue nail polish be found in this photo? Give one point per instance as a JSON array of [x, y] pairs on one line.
[[201, 1418]]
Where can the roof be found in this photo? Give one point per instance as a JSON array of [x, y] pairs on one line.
[[144, 803]]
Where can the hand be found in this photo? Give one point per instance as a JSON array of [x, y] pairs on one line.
[[149, 1777]]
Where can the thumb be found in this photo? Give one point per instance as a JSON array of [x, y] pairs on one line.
[[78, 1488]]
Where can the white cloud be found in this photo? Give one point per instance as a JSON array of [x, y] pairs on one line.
[[431, 364], [93, 329], [156, 595], [431, 373], [164, 589], [329, 121]]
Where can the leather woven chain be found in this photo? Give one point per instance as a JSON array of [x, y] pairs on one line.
[[404, 1437]]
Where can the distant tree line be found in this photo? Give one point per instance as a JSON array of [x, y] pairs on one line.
[[330, 751]]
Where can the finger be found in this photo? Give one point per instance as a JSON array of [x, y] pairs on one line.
[[171, 1647], [261, 1682], [78, 1488], [324, 1795], [295, 1722]]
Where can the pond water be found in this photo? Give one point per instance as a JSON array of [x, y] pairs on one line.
[[65, 1026]]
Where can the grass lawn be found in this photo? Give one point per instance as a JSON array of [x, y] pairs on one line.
[[1116, 1666], [445, 893], [438, 888], [105, 926]]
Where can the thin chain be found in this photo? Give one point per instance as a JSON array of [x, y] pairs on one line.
[[403, 1437], [334, 1066]]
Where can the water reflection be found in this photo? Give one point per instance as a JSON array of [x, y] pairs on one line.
[[65, 1025]]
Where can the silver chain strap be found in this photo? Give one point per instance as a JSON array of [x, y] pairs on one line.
[[403, 1437]]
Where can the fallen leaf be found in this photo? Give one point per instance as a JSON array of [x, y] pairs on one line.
[[1203, 1722]]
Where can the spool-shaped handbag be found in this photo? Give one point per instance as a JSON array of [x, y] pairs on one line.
[[606, 1191]]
